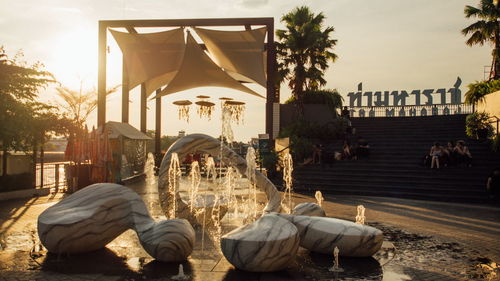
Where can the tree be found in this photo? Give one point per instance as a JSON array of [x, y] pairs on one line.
[[80, 104], [485, 30], [331, 98], [477, 91], [304, 50], [23, 120]]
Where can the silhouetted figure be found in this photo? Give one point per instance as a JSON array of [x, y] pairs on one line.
[[363, 149], [345, 113]]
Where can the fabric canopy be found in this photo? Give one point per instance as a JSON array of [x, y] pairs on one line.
[[151, 57], [241, 52], [198, 70]]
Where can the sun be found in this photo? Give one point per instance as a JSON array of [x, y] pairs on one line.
[[74, 57]]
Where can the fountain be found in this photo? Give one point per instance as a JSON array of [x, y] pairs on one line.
[[319, 197], [180, 275], [210, 171], [287, 179], [195, 176], [335, 267], [174, 174], [360, 217], [252, 189]]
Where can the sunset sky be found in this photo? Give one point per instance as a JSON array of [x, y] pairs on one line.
[[386, 44]]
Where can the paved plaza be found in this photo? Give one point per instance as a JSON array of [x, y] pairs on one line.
[[430, 241]]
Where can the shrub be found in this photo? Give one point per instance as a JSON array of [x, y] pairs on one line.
[[477, 91], [331, 98], [477, 123], [302, 135], [495, 144]]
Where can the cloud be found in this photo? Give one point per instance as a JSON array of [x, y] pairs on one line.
[[254, 3], [67, 10]]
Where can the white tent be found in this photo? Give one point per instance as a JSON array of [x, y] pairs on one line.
[[198, 70], [241, 52], [153, 58]]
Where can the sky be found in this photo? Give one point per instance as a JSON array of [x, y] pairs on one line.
[[386, 44]]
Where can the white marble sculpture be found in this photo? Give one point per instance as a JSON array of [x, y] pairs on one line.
[[268, 244], [92, 217], [201, 143], [322, 235], [308, 209]]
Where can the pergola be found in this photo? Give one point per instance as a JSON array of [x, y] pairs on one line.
[[272, 96]]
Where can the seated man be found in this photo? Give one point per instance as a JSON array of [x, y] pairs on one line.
[[363, 149], [493, 185], [463, 154]]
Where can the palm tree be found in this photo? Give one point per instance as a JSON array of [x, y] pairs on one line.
[[304, 50], [80, 104], [486, 29]]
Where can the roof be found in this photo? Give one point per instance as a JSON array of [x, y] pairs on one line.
[[126, 130]]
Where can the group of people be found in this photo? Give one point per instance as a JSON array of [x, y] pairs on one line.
[[361, 150], [452, 154], [349, 152]]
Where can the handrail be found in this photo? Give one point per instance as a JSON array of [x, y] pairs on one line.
[[497, 120], [410, 110]]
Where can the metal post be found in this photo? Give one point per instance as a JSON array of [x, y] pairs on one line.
[[41, 165], [101, 75], [270, 93], [56, 172], [158, 130], [125, 94], [143, 107]]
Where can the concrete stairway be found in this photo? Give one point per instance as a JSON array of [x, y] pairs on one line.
[[394, 168]]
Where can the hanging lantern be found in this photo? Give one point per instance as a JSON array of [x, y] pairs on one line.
[[183, 109], [237, 109], [205, 109]]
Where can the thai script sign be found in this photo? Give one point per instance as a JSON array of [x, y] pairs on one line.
[[399, 98]]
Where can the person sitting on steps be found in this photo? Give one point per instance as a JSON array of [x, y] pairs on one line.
[[317, 149], [436, 154], [463, 154], [449, 154], [347, 152], [363, 149]]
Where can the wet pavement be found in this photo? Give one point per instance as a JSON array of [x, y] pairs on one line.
[[424, 241]]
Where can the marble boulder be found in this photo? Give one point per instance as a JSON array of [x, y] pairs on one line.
[[268, 244], [92, 217], [322, 235], [308, 209]]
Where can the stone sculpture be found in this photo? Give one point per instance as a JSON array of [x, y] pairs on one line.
[[201, 143], [92, 217], [254, 247], [268, 244], [308, 209], [322, 235]]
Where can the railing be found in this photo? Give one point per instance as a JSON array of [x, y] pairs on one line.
[[410, 110], [494, 119], [51, 175]]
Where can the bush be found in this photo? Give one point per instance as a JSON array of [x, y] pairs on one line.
[[477, 124], [302, 135], [331, 98], [477, 91], [495, 144]]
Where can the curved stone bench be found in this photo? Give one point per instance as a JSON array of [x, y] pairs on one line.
[[322, 235], [92, 217], [268, 244]]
